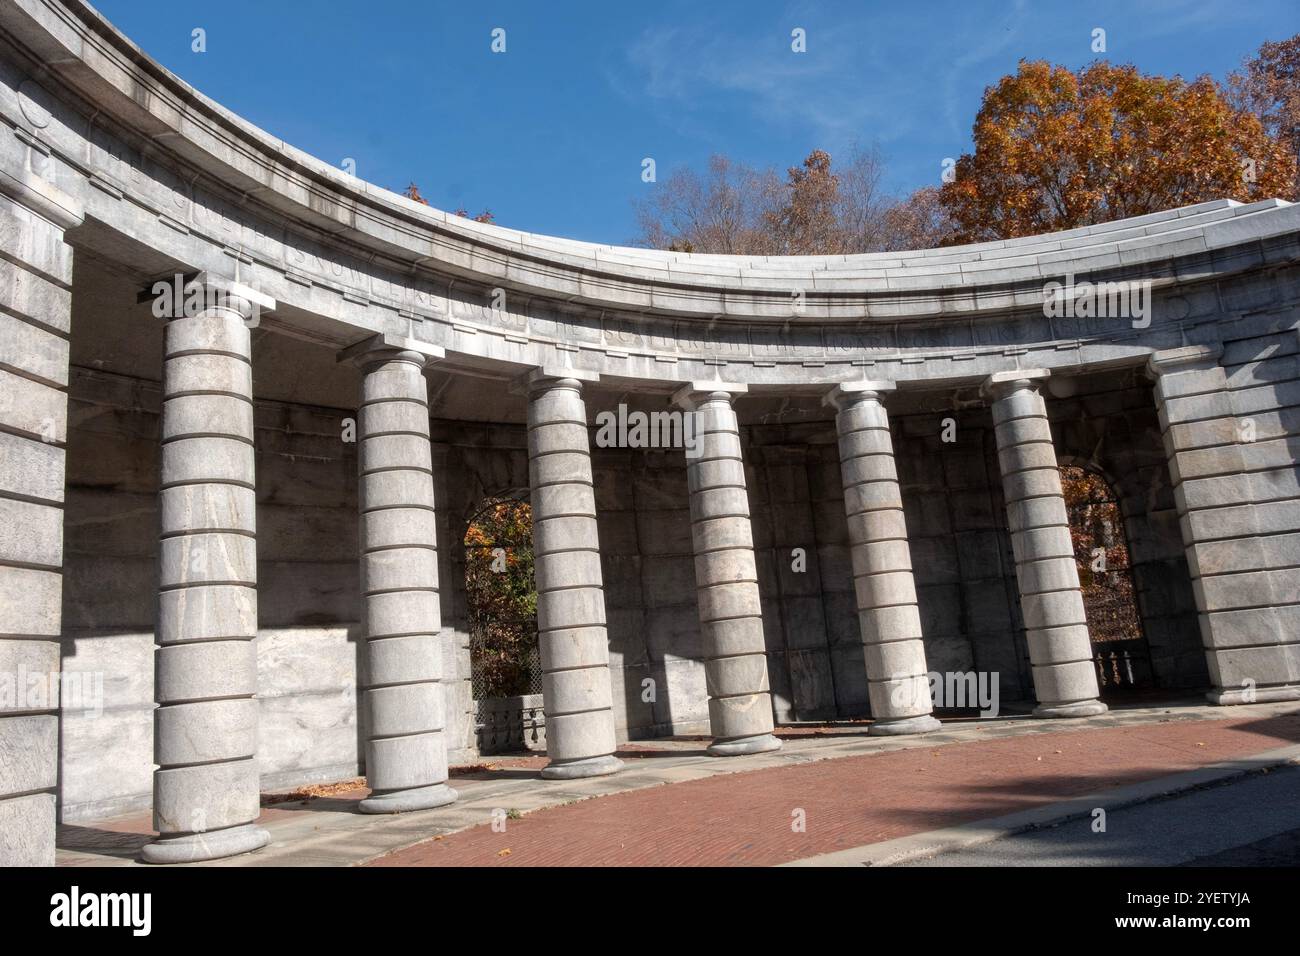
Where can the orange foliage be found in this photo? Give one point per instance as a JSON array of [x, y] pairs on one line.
[[501, 595], [1096, 525], [1057, 148]]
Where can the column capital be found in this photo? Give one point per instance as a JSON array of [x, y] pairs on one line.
[[550, 376], [1184, 359], [387, 345], [846, 393], [1001, 383], [693, 393]]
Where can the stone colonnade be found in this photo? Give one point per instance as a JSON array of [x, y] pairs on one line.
[[206, 784]]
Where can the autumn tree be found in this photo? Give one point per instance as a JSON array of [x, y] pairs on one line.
[[919, 222], [722, 210], [818, 208], [807, 222], [501, 597], [1101, 555], [1057, 148], [1268, 85]]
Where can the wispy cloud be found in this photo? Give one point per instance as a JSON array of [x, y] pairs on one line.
[[908, 76], [875, 77], [823, 92]]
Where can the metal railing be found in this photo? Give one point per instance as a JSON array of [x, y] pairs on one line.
[[510, 724], [1122, 668]]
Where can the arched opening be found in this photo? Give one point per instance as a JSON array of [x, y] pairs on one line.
[[501, 610], [1119, 646]]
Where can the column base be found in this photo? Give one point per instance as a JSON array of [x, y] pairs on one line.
[[1083, 708], [922, 724], [404, 801], [587, 767], [197, 847], [758, 744], [1259, 695]]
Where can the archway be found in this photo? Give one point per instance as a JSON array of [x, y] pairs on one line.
[[1119, 645], [501, 610]]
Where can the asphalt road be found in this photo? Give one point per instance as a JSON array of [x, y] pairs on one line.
[[1250, 821]]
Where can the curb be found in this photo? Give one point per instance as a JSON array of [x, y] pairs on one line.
[[979, 832]]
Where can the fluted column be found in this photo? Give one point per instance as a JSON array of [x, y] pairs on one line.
[[888, 617], [205, 728], [1065, 678], [726, 579], [571, 630], [406, 753]]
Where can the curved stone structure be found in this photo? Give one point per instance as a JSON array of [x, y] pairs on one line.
[[1170, 339]]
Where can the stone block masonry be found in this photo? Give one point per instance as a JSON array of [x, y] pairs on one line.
[[1065, 679], [570, 591], [726, 579], [205, 728], [406, 752], [1229, 435], [35, 324], [882, 563]]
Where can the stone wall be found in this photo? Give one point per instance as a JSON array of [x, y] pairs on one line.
[[307, 553], [308, 592], [960, 555], [36, 273], [1230, 428]]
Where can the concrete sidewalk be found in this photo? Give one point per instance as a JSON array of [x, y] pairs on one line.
[[848, 789]]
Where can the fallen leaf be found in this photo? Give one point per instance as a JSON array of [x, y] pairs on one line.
[[505, 852]]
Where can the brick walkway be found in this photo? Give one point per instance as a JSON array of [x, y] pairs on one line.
[[745, 818]]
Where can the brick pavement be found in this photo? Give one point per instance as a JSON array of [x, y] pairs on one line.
[[746, 818]]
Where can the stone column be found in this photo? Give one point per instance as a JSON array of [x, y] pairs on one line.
[[726, 579], [35, 292], [1065, 677], [206, 790], [406, 753], [890, 621], [1234, 479], [570, 589]]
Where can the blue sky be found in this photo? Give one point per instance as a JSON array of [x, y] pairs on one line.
[[550, 135]]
